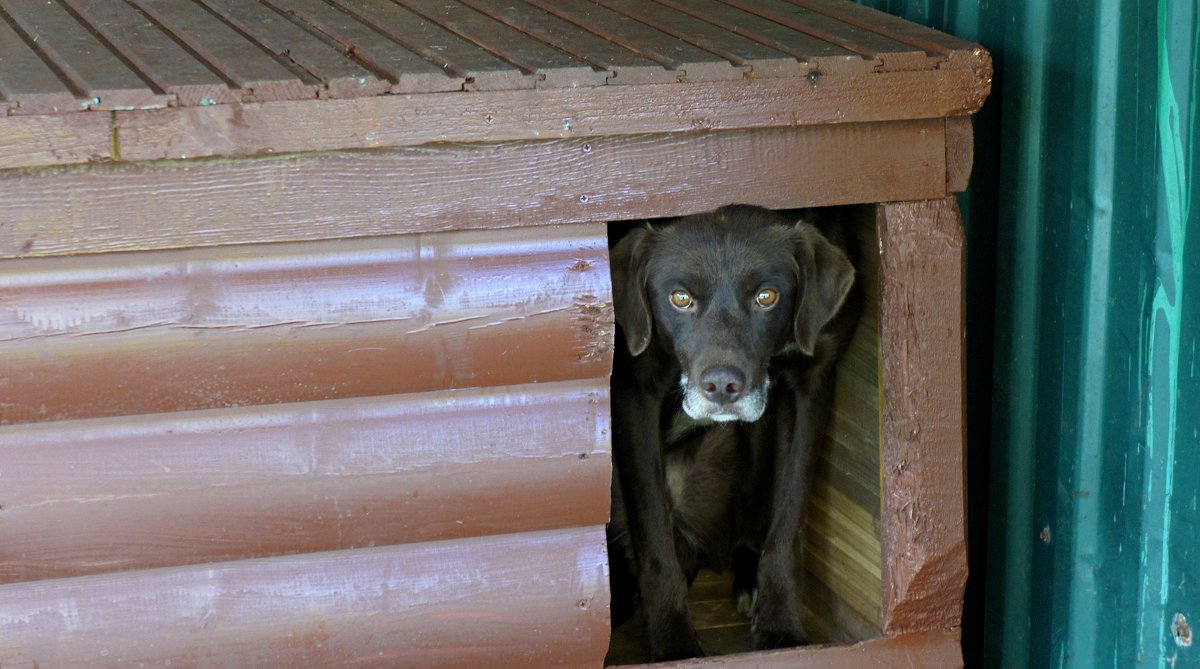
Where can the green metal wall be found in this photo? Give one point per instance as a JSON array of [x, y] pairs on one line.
[[1084, 330]]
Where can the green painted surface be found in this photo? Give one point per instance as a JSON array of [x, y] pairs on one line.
[[1083, 331]]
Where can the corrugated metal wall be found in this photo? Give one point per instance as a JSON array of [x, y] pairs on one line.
[[1079, 220]]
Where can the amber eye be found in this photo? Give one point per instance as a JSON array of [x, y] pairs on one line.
[[767, 297], [681, 299]]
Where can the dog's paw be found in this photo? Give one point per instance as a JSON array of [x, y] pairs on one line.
[[775, 621], [676, 640], [746, 601]]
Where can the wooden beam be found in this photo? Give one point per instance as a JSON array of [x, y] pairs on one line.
[[411, 120], [396, 121], [921, 330], [115, 494], [521, 600], [938, 649], [124, 334], [175, 204]]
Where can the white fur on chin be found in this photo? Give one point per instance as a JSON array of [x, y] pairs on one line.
[[748, 408]]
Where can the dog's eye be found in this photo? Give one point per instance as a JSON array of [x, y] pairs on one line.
[[681, 299], [767, 297]]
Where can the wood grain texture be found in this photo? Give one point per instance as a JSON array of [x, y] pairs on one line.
[[959, 53], [623, 66], [553, 67], [759, 59], [157, 58], [924, 530], [168, 331], [92, 71], [528, 600], [110, 54], [114, 494], [396, 121], [960, 153], [694, 64], [481, 69], [842, 538], [27, 83], [45, 140], [888, 54], [341, 77], [407, 72], [253, 70], [448, 187], [920, 650], [816, 53]]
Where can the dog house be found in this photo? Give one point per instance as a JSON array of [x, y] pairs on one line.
[[306, 324]]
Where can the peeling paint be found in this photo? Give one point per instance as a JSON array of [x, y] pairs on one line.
[[1162, 351]]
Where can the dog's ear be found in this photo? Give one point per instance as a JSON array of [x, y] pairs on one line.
[[628, 265], [827, 278]]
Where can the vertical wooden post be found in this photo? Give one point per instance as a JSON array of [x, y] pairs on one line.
[[923, 531]]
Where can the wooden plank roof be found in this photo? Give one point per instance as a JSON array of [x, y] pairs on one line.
[[192, 78], [109, 54]]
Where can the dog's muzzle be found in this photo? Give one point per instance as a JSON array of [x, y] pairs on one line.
[[745, 405]]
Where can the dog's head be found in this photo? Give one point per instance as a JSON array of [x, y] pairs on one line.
[[725, 292]]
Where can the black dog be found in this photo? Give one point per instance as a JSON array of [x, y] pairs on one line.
[[732, 322]]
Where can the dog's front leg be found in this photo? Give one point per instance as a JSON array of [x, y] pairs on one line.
[[662, 585], [777, 614]]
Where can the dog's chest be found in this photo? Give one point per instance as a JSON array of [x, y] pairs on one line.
[[698, 459]]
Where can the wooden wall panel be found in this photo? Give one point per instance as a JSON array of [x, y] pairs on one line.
[[120, 334], [535, 599], [123, 493], [465, 186], [842, 552]]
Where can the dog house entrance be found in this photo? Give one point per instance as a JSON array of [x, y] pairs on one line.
[[843, 593]]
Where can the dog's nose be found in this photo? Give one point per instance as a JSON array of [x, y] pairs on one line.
[[722, 384]]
